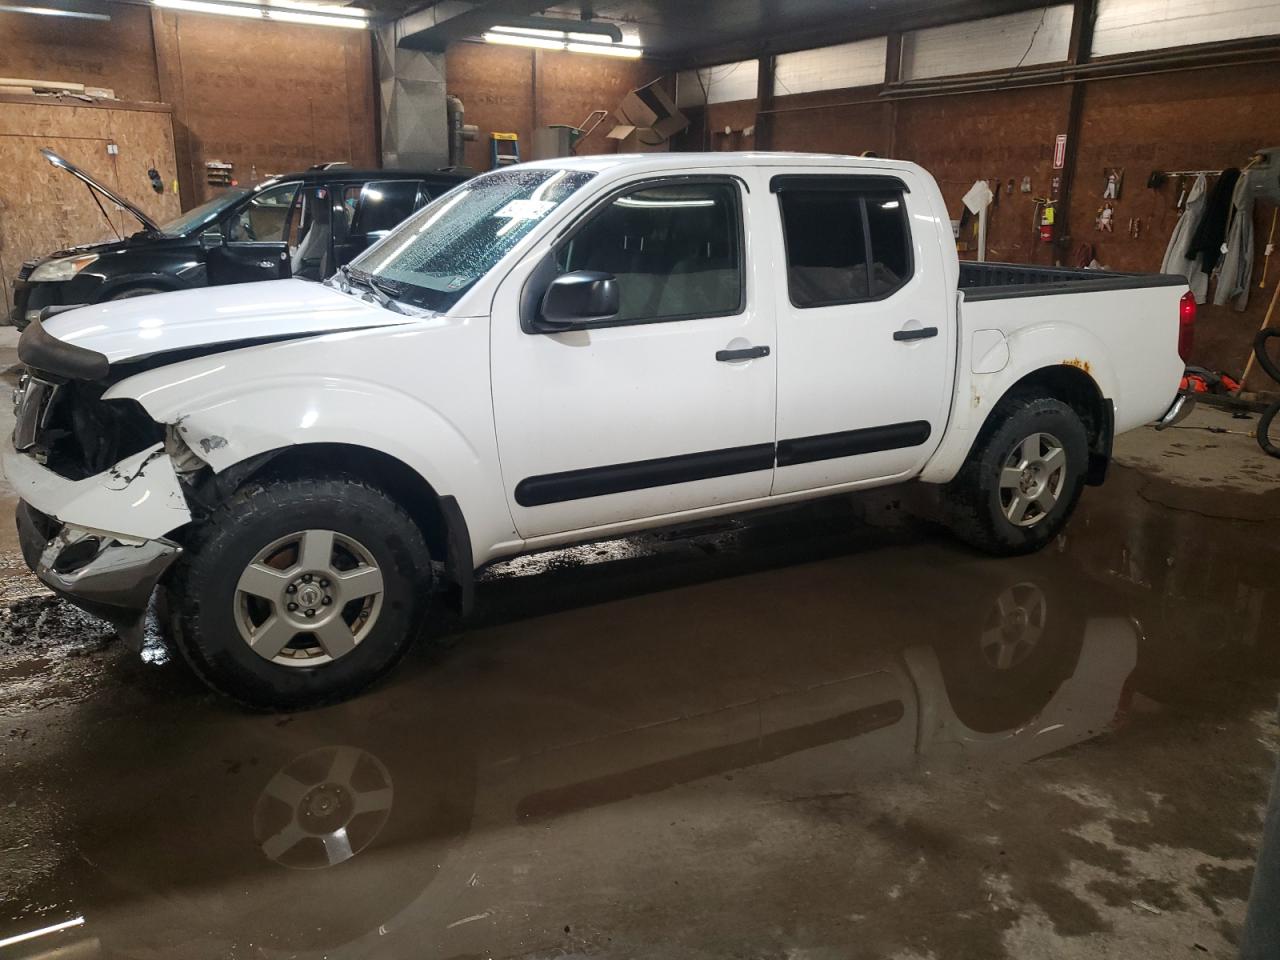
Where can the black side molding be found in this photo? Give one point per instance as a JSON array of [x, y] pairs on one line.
[[39, 350], [619, 478], [851, 443]]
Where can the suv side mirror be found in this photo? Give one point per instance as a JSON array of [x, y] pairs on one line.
[[211, 238], [579, 298]]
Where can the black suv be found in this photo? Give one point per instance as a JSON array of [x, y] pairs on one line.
[[302, 225]]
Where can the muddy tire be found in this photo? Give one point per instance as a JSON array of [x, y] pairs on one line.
[[296, 593], [1022, 479]]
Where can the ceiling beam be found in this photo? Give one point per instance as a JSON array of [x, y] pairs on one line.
[[868, 23], [435, 28]]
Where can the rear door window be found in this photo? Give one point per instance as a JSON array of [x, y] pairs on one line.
[[382, 204], [844, 245]]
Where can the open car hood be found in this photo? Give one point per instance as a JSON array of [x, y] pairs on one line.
[[83, 343], [93, 184]]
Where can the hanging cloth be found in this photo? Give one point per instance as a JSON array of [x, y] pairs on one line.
[[1176, 259], [1206, 242], [1237, 264]]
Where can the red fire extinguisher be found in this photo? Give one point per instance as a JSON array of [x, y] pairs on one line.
[[1046, 222]]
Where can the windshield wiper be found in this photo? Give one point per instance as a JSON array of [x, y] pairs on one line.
[[384, 299]]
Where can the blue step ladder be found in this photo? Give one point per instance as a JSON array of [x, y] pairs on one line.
[[500, 157]]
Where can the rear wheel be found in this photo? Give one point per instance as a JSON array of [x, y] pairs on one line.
[[297, 593], [1022, 479]]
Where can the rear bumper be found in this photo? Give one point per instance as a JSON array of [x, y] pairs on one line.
[[1178, 411], [100, 574]]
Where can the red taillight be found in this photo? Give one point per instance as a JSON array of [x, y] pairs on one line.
[[1186, 325]]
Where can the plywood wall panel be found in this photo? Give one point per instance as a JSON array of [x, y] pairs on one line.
[[43, 209]]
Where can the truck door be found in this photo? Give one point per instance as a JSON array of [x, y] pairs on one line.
[[669, 406], [254, 245], [864, 339]]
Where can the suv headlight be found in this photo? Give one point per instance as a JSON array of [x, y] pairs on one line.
[[64, 268]]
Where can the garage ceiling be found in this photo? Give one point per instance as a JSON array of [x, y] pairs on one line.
[[693, 32]]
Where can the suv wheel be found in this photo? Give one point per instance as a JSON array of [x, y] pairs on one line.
[[300, 592], [1022, 479]]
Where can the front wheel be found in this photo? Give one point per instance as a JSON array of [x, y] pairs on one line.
[[1022, 479], [300, 592]]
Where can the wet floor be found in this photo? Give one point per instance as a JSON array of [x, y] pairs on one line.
[[824, 732]]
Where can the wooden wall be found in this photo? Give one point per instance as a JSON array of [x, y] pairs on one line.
[[42, 208], [513, 89], [268, 97], [1177, 120], [116, 53]]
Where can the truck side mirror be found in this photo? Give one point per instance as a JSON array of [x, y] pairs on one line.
[[579, 298]]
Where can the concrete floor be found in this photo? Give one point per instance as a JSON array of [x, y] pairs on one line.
[[820, 733]]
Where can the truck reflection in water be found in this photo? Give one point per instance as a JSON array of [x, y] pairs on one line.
[[351, 831]]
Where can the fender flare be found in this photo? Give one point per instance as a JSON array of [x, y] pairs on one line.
[[1031, 350], [237, 426]]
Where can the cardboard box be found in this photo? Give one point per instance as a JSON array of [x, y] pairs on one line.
[[646, 119]]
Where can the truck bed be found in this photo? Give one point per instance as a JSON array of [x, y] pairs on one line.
[[999, 281]]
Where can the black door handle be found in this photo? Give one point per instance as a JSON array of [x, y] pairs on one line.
[[920, 333], [747, 353]]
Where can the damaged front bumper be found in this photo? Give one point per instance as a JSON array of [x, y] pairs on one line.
[[102, 574], [101, 542]]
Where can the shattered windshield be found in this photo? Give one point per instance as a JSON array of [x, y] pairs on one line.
[[436, 255]]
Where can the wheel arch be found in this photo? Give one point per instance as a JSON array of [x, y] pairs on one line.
[[436, 515], [1073, 386], [1075, 382], [118, 285]]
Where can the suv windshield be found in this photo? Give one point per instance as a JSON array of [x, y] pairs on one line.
[[182, 225], [435, 256]]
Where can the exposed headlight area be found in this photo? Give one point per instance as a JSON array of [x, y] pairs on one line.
[[62, 269], [73, 431]]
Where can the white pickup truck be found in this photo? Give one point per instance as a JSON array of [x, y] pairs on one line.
[[550, 353]]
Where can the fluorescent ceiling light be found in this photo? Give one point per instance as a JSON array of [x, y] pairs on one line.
[[531, 32], [515, 40], [50, 12], [563, 40], [606, 49], [316, 19], [284, 10]]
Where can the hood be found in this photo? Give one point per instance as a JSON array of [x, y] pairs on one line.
[[93, 184], [137, 327]]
